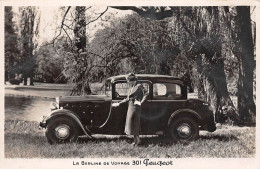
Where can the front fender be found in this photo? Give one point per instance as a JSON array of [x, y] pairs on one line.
[[64, 112]]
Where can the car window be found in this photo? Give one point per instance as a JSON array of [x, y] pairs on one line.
[[159, 89], [166, 91], [108, 89], [121, 89]]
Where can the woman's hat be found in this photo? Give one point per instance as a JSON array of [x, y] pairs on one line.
[[131, 77]]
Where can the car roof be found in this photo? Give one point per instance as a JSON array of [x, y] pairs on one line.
[[149, 77]]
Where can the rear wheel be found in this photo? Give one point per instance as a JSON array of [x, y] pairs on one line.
[[62, 130], [184, 130]]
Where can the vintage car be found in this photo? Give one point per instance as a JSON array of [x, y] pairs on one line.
[[167, 111]]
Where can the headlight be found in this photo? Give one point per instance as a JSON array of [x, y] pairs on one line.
[[57, 99], [54, 105]]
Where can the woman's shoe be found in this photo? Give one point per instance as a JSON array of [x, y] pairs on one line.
[[137, 143]]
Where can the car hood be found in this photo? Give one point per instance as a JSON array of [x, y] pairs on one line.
[[85, 98]]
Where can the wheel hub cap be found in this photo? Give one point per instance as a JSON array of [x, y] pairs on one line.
[[184, 130], [62, 131]]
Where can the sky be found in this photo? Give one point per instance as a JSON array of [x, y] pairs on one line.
[[51, 17]]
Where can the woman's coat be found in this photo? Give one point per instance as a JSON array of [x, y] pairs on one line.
[[138, 93]]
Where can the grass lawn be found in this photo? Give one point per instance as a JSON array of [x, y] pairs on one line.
[[24, 140]]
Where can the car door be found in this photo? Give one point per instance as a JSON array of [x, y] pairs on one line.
[[166, 98], [118, 114]]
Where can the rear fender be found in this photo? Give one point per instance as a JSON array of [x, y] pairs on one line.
[[188, 111]]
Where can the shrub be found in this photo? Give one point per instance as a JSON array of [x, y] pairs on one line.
[[14, 81]]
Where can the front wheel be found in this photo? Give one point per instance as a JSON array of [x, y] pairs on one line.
[[184, 130], [62, 130]]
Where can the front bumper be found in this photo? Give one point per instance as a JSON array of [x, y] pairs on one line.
[[54, 106], [211, 128], [43, 123], [209, 124]]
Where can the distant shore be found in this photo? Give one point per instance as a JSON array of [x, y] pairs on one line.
[[39, 90]]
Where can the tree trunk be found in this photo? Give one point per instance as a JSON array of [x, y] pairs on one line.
[[31, 79], [82, 81], [215, 89], [188, 79], [27, 33], [211, 67], [201, 90], [25, 79], [6, 75], [246, 105]]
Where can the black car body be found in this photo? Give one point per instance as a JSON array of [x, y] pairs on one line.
[[167, 111]]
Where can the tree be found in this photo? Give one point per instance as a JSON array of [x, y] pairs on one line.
[[203, 39], [209, 57], [49, 64], [28, 31], [144, 44], [206, 38], [244, 51], [78, 60], [80, 65], [206, 51], [11, 45]]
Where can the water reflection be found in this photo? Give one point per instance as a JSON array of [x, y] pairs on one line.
[[25, 108]]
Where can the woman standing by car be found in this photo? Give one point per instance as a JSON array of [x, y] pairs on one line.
[[137, 94]]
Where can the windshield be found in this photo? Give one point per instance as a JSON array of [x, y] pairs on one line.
[[108, 89]]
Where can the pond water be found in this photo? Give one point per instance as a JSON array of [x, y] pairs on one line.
[[26, 108]]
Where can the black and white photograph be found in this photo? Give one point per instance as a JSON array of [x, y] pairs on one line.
[[129, 86]]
